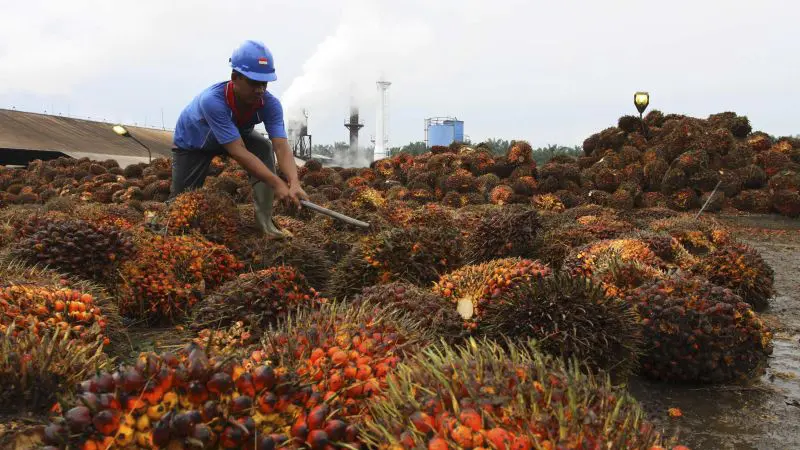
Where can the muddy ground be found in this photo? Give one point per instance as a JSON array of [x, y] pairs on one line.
[[764, 414]]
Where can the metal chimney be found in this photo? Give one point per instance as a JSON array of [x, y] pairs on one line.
[[353, 126]]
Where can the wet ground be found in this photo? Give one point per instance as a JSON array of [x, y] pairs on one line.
[[764, 414]]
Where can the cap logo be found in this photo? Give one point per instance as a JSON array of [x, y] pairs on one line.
[[263, 61]]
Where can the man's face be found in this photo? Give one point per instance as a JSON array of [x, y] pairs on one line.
[[247, 90]]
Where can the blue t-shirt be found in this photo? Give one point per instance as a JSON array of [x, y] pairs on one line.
[[208, 121]]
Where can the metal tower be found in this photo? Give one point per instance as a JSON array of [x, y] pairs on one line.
[[382, 124]]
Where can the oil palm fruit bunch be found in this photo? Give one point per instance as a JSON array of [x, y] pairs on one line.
[[547, 202], [520, 152], [742, 269], [667, 248], [416, 254], [257, 253], [426, 307], [36, 366], [210, 212], [77, 247], [525, 186], [595, 254], [698, 236], [603, 226], [505, 232], [344, 352], [753, 200], [482, 395], [695, 331], [472, 287], [684, 199], [367, 198], [256, 298], [170, 274], [786, 202], [191, 400], [461, 180], [502, 194], [569, 316]]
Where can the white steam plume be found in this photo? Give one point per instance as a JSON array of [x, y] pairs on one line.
[[369, 43]]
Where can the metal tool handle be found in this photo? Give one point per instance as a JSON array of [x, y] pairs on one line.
[[333, 214]]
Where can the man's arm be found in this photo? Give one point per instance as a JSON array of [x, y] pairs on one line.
[[286, 163]]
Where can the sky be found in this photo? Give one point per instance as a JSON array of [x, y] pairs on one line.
[[546, 72]]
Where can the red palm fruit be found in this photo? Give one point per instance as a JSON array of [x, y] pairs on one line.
[[300, 429], [350, 372], [106, 422], [203, 434], [241, 405], [264, 378], [437, 443], [220, 383], [335, 382], [210, 411], [78, 419], [181, 425], [364, 372], [351, 433], [267, 402], [462, 435], [90, 400], [198, 364], [265, 443], [318, 439], [422, 422], [407, 440], [55, 434], [339, 358], [132, 381], [197, 392], [245, 386], [232, 437], [680, 447], [521, 443], [313, 400], [104, 383], [316, 418], [248, 423], [471, 418], [316, 354], [336, 430], [499, 439], [161, 435]]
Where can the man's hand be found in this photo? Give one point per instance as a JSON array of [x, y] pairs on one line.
[[296, 193], [282, 192]]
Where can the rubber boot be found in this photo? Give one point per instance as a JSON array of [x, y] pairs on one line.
[[262, 197]]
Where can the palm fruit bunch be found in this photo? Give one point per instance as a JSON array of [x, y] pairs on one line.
[[461, 180], [39, 365], [426, 307], [753, 200], [236, 340], [742, 269], [212, 213], [774, 162], [472, 287], [170, 274], [501, 194], [547, 202], [684, 199], [191, 400], [484, 396], [603, 226], [668, 249], [584, 259], [520, 152], [786, 202], [121, 216], [505, 232], [257, 298], [343, 352], [571, 317], [698, 236], [77, 247], [696, 331], [257, 253], [367, 198], [416, 254]]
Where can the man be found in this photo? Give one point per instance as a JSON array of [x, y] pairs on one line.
[[222, 119]]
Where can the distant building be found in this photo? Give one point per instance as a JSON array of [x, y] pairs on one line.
[[26, 136]]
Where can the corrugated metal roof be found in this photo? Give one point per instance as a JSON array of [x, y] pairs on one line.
[[31, 131]]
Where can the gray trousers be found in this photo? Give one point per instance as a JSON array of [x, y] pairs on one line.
[[190, 167]]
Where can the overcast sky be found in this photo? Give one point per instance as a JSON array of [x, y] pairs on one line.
[[549, 72]]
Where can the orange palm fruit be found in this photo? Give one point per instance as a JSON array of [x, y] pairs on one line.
[[437, 443]]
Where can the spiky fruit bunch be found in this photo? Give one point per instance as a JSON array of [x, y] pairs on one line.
[[355, 182], [257, 253], [190, 400], [77, 247], [787, 179], [696, 331], [479, 162], [603, 226], [774, 162], [547, 202], [607, 179], [654, 172], [698, 236], [212, 213], [787, 202], [486, 182], [472, 287], [421, 195], [753, 200], [367, 198], [484, 396], [525, 185], [461, 180], [256, 298], [742, 269], [170, 273], [501, 195], [684, 199], [416, 254], [38, 365], [571, 317], [344, 352], [507, 232], [520, 152], [426, 307], [597, 254]]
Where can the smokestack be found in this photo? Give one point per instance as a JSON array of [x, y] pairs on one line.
[[353, 126]]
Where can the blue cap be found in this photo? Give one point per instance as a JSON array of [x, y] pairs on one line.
[[254, 60]]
